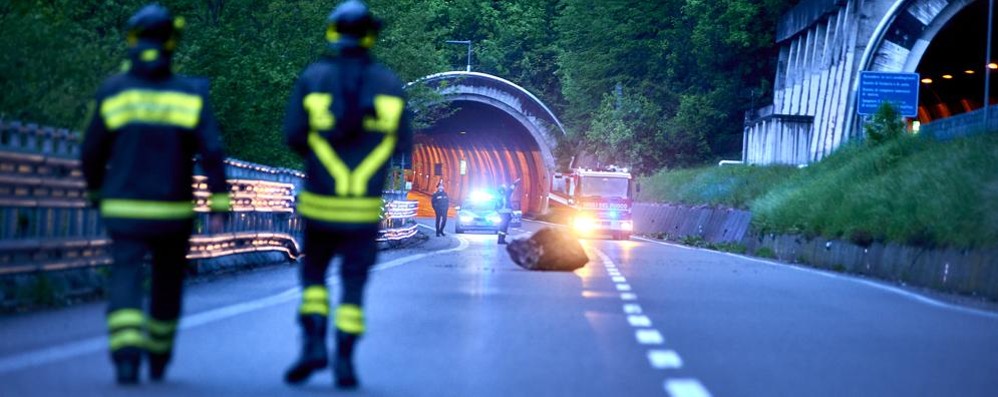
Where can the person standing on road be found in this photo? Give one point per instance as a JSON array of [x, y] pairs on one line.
[[147, 126], [440, 203], [504, 206], [346, 117]]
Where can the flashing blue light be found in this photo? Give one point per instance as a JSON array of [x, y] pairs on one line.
[[613, 214], [479, 196]]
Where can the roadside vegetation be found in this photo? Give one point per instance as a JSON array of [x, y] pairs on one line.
[[897, 188]]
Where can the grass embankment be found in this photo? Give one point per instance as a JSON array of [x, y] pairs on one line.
[[909, 190]]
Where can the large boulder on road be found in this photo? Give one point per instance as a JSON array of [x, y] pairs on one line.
[[548, 249]]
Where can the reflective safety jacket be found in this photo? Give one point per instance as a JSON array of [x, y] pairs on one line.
[[346, 117], [139, 148]]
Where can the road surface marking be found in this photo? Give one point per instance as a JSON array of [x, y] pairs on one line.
[[639, 321], [664, 359], [649, 337], [881, 286], [623, 287], [685, 388], [619, 279], [70, 350], [629, 296], [632, 308]]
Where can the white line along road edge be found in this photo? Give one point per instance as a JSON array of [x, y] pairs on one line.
[[93, 345]]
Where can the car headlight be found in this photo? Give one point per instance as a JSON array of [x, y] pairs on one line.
[[584, 224], [627, 225], [494, 218], [466, 218]]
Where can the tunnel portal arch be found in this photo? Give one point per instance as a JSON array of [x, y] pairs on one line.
[[499, 131]]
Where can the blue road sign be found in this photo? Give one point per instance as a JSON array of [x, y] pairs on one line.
[[899, 89]]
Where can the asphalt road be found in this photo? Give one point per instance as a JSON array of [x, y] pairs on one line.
[[455, 317]]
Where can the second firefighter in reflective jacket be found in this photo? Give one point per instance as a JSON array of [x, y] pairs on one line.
[[147, 126], [346, 117]]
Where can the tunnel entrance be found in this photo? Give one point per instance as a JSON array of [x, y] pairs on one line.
[[498, 132], [952, 68], [480, 147]]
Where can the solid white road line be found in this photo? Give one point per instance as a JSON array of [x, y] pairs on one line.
[[685, 388], [69, 350], [664, 359], [649, 337], [881, 286], [637, 320]]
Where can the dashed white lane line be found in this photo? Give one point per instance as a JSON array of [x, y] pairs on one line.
[[664, 359], [878, 285], [637, 320], [685, 388], [649, 337], [70, 350], [657, 358]]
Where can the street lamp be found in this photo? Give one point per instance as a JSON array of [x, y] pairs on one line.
[[468, 42]]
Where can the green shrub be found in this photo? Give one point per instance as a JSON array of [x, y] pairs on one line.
[[765, 252]]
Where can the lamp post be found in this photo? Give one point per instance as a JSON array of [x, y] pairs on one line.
[[987, 67], [468, 43]]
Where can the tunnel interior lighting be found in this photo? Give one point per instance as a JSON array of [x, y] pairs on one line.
[[927, 81], [993, 66], [968, 71], [947, 76]]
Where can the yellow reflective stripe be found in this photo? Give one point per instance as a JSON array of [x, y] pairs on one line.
[[149, 55], [370, 165], [220, 202], [319, 117], [315, 293], [125, 318], [327, 156], [341, 203], [308, 308], [127, 338], [159, 346], [142, 209], [150, 106], [322, 214], [389, 112], [350, 319], [161, 327]]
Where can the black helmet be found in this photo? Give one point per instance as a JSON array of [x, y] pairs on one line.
[[351, 24], [154, 23]]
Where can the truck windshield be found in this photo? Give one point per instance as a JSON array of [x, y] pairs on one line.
[[604, 187]]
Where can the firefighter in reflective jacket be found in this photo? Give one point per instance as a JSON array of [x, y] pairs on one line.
[[137, 158], [346, 117]]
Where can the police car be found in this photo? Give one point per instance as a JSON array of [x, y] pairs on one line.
[[478, 213]]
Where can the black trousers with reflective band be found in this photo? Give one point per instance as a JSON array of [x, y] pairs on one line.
[[358, 250], [504, 223], [441, 221], [126, 288]]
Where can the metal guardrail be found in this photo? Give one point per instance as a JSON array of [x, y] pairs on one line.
[[47, 225]]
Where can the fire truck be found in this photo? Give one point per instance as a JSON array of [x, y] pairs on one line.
[[597, 201]]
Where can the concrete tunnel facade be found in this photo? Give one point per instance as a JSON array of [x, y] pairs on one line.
[[497, 132]]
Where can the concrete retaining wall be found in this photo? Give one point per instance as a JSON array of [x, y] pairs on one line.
[[715, 225], [969, 272]]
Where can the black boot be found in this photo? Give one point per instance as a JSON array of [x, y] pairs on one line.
[[502, 238], [126, 366], [157, 366], [313, 354], [343, 371]]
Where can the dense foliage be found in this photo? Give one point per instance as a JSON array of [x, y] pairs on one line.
[[668, 80], [904, 189]]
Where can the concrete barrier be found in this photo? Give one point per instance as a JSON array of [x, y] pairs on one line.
[[714, 225]]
